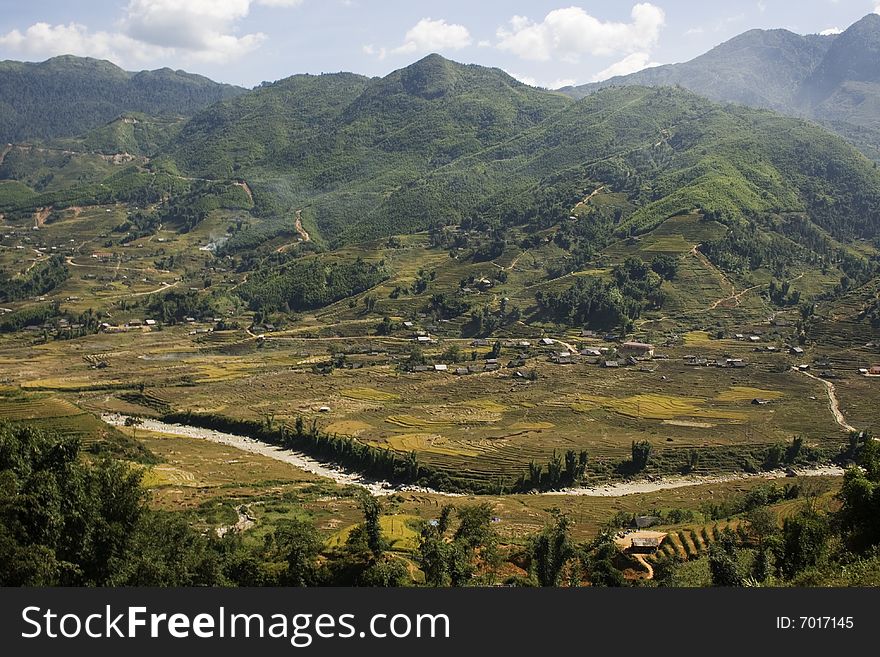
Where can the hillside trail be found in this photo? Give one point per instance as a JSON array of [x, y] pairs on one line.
[[4, 152], [646, 564], [40, 258], [247, 190], [734, 296], [298, 226], [589, 196], [833, 402]]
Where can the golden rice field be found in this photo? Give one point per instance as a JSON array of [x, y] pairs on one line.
[[746, 393], [430, 443], [655, 406], [369, 394], [398, 530]]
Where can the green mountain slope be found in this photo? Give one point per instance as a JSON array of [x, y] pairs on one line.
[[441, 142], [66, 96], [832, 79], [341, 144]]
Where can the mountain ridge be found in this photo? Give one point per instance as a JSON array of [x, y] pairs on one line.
[[66, 96], [810, 76]]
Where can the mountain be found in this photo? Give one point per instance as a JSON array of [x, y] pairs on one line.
[[342, 143], [66, 96], [831, 79], [443, 142]]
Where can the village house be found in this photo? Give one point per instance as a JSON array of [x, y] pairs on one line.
[[637, 349], [645, 545]]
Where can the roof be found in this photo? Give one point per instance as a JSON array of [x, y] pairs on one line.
[[637, 345], [645, 542], [440, 368]]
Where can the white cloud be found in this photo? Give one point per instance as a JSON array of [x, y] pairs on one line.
[[44, 40], [694, 30], [877, 9], [569, 33], [430, 35], [533, 82], [202, 28], [484, 43], [831, 30], [371, 50], [151, 30], [629, 64]]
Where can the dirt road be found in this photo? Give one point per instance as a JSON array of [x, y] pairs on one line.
[[833, 403], [297, 223]]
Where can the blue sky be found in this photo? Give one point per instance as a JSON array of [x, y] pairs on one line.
[[542, 42]]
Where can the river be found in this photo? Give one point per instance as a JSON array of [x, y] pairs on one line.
[[380, 488]]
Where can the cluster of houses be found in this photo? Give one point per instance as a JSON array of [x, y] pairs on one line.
[[700, 361]]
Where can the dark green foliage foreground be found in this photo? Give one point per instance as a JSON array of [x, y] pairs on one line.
[[810, 547], [68, 521]]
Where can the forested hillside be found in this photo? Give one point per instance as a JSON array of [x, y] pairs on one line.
[[442, 142], [66, 96]]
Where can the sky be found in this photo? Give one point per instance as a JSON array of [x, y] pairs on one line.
[[548, 43]]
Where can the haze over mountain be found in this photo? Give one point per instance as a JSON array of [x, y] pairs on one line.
[[834, 79], [65, 96]]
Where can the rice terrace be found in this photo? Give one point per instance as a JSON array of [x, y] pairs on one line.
[[408, 329]]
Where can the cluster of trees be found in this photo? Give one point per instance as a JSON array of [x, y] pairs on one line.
[[308, 284], [70, 521], [555, 559], [783, 295], [485, 321], [562, 471], [605, 305], [746, 247], [42, 279], [139, 224], [174, 306], [33, 315], [469, 554]]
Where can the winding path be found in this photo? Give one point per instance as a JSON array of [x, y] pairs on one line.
[[833, 402]]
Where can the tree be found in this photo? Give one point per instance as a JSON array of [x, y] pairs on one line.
[[551, 550], [300, 544], [372, 526], [762, 526], [641, 453], [723, 560], [434, 552], [600, 562], [804, 541]]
